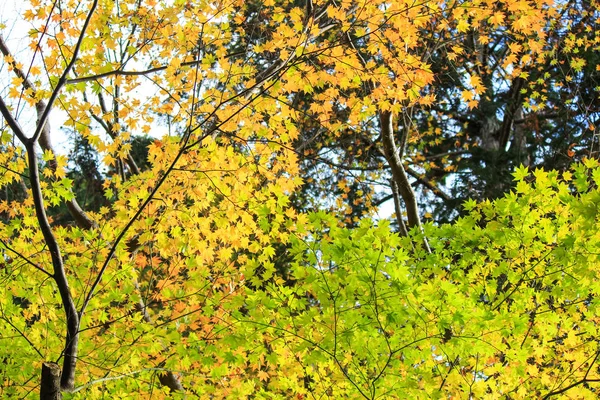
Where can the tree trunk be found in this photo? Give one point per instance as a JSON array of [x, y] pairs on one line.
[[50, 386]]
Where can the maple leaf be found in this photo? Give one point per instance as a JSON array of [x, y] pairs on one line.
[[191, 255]]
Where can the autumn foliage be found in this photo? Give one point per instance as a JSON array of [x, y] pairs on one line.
[[211, 230]]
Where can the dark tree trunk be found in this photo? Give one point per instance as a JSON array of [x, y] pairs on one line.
[[50, 387]]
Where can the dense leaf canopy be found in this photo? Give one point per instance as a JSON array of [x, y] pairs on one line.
[[216, 224]]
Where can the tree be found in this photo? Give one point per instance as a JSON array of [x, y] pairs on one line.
[[200, 268], [104, 265], [504, 306], [537, 104], [481, 126]]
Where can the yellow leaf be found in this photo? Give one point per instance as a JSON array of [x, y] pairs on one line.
[[263, 375], [496, 19], [463, 26]]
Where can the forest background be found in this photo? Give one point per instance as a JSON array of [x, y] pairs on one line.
[[211, 227]]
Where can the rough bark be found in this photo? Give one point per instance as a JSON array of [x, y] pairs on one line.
[[513, 104], [171, 380], [50, 385]]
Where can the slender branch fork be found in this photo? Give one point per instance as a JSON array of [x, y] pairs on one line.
[[67, 380]]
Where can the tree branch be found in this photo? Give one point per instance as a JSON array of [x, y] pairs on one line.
[[80, 217], [562, 390], [108, 127], [514, 102], [27, 260], [427, 183], [63, 79], [398, 172], [24, 336], [12, 123], [398, 208], [72, 319], [42, 134]]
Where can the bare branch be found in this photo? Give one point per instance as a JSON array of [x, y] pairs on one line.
[[448, 154], [113, 378], [119, 72]]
